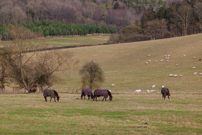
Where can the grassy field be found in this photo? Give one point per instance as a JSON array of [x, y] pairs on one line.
[[129, 112]]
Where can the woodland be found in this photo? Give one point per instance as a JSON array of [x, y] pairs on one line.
[[132, 20]]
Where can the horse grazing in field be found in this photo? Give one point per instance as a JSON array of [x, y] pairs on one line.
[[51, 94], [165, 92], [86, 91], [102, 92]]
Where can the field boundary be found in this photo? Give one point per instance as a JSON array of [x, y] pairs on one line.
[[63, 47]]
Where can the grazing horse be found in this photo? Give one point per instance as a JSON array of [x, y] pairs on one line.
[[102, 92], [86, 91], [165, 92], [51, 94]]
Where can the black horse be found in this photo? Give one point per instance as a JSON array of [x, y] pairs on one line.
[[102, 92], [86, 91], [165, 92], [51, 94]]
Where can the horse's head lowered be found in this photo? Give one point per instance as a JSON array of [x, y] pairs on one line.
[[58, 98], [110, 95]]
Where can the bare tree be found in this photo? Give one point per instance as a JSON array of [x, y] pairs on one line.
[[198, 13], [92, 75], [31, 70], [183, 17]]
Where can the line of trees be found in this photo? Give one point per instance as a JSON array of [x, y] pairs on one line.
[[53, 28], [178, 19]]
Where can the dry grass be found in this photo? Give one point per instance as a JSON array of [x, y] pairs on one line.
[[129, 113]]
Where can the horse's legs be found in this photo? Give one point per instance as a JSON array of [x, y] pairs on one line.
[[45, 98], [54, 99], [88, 97], [103, 99], [50, 99]]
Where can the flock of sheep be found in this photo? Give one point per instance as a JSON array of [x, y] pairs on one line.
[[167, 58]]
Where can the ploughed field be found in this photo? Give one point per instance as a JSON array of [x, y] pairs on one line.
[[130, 66]]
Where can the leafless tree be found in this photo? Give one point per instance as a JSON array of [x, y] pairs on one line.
[[31, 70], [183, 17]]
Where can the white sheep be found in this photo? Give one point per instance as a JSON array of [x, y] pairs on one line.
[[171, 75], [176, 64], [153, 86], [175, 75], [195, 73], [113, 85], [184, 55], [152, 91], [148, 91], [193, 67], [161, 60], [146, 63], [200, 74], [138, 91], [180, 75]]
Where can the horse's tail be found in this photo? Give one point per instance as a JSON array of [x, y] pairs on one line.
[[92, 95], [168, 92], [55, 92]]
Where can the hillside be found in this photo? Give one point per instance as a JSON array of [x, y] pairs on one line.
[[124, 65]]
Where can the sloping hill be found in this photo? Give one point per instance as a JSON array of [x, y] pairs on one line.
[[125, 65]]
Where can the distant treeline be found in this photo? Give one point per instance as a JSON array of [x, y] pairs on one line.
[[52, 28], [177, 19]]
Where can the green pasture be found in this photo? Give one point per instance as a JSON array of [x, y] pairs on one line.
[[129, 113], [75, 40], [142, 113]]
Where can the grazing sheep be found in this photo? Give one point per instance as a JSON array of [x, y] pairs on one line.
[[175, 75], [176, 64], [171, 75], [152, 91], [113, 85], [200, 74], [194, 57], [161, 60], [184, 55], [149, 55], [153, 86], [193, 67], [146, 63], [180, 75], [195, 73], [138, 91]]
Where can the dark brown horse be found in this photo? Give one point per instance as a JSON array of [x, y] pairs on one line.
[[86, 91], [51, 94], [102, 92], [165, 92]]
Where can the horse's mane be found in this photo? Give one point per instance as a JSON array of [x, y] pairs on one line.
[[55, 92], [109, 94]]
